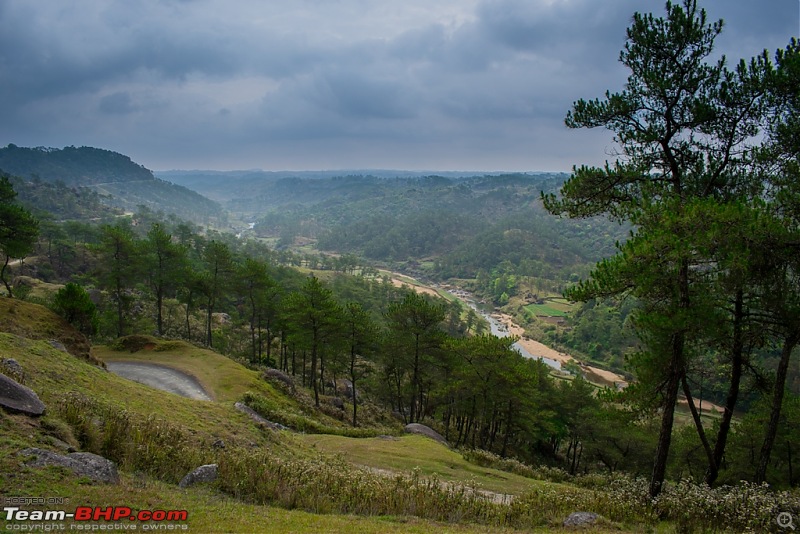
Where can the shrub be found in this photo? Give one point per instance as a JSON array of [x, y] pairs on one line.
[[134, 442], [73, 303], [301, 423]]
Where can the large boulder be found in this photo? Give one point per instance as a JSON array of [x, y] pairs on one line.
[[417, 428], [203, 474], [85, 464], [18, 398]]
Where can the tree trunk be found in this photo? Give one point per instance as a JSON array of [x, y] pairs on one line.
[[668, 416], [777, 402], [314, 384], [737, 361], [676, 371], [353, 383], [159, 315], [698, 423], [3, 276]]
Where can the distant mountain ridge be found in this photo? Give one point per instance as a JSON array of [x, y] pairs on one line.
[[116, 180], [82, 166], [225, 186]]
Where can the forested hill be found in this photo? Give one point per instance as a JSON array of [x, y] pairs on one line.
[[73, 166], [114, 179]]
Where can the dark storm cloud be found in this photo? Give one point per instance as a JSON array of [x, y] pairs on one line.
[[307, 84], [117, 103]]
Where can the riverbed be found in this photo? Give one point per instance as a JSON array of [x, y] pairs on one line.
[[503, 327]]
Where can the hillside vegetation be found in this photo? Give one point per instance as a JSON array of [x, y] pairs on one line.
[[105, 178], [389, 483]]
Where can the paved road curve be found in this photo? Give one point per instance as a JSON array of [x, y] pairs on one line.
[[160, 377]]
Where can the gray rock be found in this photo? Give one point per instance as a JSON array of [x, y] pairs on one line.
[[336, 402], [56, 344], [203, 474], [218, 443], [348, 390], [60, 444], [221, 317], [581, 519], [12, 366], [257, 418], [18, 398], [417, 428], [85, 464], [279, 376]]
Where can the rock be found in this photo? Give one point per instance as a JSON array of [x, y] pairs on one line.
[[581, 519], [348, 390], [85, 464], [12, 366], [218, 444], [257, 418], [203, 474], [56, 344], [336, 402], [221, 317], [416, 428], [17, 398], [60, 444], [279, 376]]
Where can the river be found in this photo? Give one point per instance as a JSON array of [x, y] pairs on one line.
[[499, 329]]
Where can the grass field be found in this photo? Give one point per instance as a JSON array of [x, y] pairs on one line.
[[418, 452], [552, 307]]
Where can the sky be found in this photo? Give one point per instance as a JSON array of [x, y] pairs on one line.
[[332, 84]]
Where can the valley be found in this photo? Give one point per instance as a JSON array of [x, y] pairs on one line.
[[317, 325], [597, 330]]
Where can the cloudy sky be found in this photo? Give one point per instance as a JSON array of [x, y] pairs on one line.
[[330, 84]]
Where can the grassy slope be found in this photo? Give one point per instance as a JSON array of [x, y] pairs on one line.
[[55, 375], [418, 452]]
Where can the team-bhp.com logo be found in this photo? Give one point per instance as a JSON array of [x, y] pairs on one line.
[[147, 519]]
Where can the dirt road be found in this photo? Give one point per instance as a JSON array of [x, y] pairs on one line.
[[160, 377]]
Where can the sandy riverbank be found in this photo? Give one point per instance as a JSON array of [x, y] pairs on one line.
[[594, 374]]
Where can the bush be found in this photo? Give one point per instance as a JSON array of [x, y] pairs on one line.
[[134, 442], [301, 423], [72, 302]]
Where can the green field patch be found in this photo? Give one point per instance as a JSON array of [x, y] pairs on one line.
[[546, 310]]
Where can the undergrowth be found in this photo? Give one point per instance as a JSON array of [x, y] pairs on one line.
[[327, 484], [746, 507], [300, 423]]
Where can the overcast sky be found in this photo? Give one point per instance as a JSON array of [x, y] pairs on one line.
[[331, 84]]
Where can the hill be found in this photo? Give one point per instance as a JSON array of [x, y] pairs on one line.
[[155, 438], [279, 481], [74, 166], [99, 176]]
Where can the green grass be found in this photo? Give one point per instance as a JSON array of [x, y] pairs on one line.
[[418, 452], [224, 378], [268, 478], [55, 375], [553, 307]]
